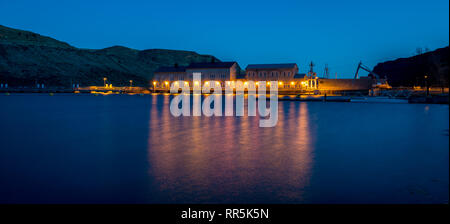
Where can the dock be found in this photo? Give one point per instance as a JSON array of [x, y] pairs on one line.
[[315, 98]]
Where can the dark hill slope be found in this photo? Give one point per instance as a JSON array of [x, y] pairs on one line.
[[411, 71], [27, 58]]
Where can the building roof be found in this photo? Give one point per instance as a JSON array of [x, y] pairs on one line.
[[299, 76], [212, 65], [203, 65], [271, 66], [171, 69]]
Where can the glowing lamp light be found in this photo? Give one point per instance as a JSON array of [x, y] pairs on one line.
[[186, 83], [217, 83], [292, 83], [280, 83], [268, 83], [196, 83], [166, 82], [206, 83], [257, 83], [154, 83], [245, 83]]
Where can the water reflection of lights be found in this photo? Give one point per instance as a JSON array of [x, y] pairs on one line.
[[229, 159]]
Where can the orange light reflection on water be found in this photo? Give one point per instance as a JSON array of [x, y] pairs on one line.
[[229, 159]]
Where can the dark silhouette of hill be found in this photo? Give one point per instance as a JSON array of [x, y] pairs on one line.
[[28, 58], [412, 71]]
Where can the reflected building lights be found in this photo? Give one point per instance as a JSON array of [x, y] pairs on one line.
[[200, 158]]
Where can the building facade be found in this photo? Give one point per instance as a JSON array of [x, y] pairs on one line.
[[220, 72], [164, 76], [285, 74], [271, 72]]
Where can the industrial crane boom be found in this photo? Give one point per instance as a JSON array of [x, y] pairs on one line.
[[363, 67]]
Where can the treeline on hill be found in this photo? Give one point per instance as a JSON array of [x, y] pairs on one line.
[[414, 71], [28, 58]]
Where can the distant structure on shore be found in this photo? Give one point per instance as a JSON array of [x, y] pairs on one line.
[[285, 74], [218, 71]]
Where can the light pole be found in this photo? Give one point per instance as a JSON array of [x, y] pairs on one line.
[[104, 82], [131, 83], [426, 84]]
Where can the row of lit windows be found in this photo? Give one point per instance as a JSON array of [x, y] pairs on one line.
[[270, 74], [213, 76], [175, 77], [166, 84], [170, 77]]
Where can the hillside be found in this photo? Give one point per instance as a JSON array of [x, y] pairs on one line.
[[411, 71], [27, 58]]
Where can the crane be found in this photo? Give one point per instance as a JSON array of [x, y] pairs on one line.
[[363, 67], [378, 82]]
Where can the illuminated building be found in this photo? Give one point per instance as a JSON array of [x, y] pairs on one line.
[[226, 73], [220, 72]]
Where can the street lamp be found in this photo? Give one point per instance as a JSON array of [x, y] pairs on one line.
[[104, 81], [131, 83]]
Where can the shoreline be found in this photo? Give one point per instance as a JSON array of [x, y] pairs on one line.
[[282, 96]]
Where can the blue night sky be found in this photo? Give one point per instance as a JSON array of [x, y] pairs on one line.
[[339, 33]]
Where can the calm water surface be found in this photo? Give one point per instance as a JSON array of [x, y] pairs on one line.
[[130, 149]]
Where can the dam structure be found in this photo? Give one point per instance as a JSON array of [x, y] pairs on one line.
[[286, 75]]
